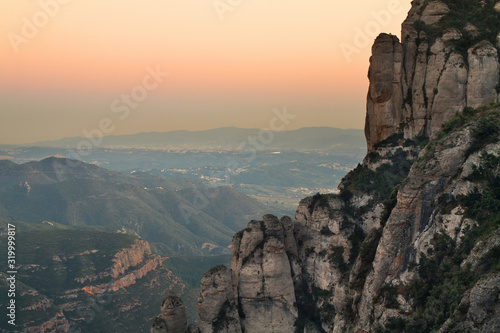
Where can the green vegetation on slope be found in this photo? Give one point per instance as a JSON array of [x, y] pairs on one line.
[[29, 297], [51, 257], [480, 13], [58, 254], [179, 217], [443, 281]]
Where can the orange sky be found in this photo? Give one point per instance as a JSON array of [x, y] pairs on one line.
[[62, 77]]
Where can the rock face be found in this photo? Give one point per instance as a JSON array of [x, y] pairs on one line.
[[416, 85], [433, 12], [481, 309], [218, 302], [385, 95], [483, 75], [354, 263], [257, 294], [263, 272], [126, 280], [172, 318], [412, 242]]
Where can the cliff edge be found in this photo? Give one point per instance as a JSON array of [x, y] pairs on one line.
[[447, 60], [412, 242]]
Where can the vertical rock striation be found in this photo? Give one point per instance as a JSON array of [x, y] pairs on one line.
[[218, 302], [419, 83], [385, 95], [264, 277]]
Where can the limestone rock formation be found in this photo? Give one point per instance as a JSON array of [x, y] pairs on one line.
[[385, 96], [416, 85], [264, 276], [434, 11], [217, 304], [356, 263], [172, 318], [411, 243], [483, 74]]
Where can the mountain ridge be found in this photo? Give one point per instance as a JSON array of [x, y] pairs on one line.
[[173, 214], [227, 137]]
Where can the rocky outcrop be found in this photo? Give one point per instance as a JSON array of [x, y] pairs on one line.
[[354, 263], [385, 95], [135, 260], [416, 85], [125, 259], [130, 257], [263, 273], [127, 280], [433, 12], [479, 310], [172, 318], [411, 243], [483, 74], [418, 217], [218, 302], [257, 294]]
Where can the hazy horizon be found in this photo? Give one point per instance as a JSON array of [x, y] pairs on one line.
[[191, 131], [67, 65]]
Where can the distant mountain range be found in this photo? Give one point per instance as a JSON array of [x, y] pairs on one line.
[[227, 138], [178, 216]]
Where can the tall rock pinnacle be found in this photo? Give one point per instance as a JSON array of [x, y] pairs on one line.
[[437, 70]]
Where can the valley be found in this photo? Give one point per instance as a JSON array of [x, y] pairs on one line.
[[277, 176], [100, 235]]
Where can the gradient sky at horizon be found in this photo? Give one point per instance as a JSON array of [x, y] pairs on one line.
[[264, 54]]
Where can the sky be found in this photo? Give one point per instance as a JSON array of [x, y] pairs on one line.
[[71, 67]]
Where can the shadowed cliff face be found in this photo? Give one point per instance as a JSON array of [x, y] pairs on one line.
[[411, 243]]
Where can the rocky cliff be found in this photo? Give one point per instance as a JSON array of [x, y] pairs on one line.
[[173, 316], [443, 64], [411, 243], [129, 265]]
